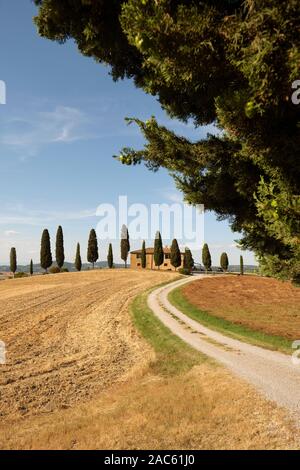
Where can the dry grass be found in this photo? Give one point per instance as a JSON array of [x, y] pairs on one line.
[[206, 408], [262, 304], [68, 337], [80, 377]]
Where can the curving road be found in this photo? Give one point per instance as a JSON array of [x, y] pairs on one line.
[[271, 372]]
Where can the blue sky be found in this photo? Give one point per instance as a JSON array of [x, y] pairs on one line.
[[63, 121]]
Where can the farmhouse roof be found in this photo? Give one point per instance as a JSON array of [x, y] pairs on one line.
[[150, 251]]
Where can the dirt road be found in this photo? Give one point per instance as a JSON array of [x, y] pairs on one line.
[[270, 372]]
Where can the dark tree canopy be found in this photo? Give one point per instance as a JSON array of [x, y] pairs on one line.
[[188, 261], [158, 250], [143, 255], [78, 261], [31, 268], [125, 244], [60, 252], [241, 265], [206, 257], [110, 257], [230, 63], [92, 252], [46, 256], [13, 260], [175, 254]]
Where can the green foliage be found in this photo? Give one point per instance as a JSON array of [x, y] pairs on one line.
[[78, 261], [55, 270], [184, 271], [64, 270], [31, 268], [60, 252], [110, 258], [241, 265], [158, 250], [45, 254], [188, 261], [175, 254], [280, 211], [92, 252], [96, 29], [125, 244], [230, 63], [13, 260], [20, 275], [144, 256], [206, 257], [224, 263]]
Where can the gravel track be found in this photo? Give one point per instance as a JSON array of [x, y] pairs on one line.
[[271, 372]]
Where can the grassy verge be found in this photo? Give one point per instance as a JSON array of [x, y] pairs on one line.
[[234, 330], [173, 356]]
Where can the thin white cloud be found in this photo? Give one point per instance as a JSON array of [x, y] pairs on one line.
[[22, 216], [28, 134], [10, 233]]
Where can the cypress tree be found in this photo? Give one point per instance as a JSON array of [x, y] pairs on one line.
[[125, 244], [13, 260], [188, 261], [110, 257], [78, 262], [46, 256], [224, 263], [31, 268], [175, 254], [60, 252], [92, 253], [158, 250], [143, 255], [241, 265], [206, 258]]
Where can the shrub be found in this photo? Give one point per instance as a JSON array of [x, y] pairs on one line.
[[54, 270], [20, 275], [184, 271], [224, 263], [64, 270]]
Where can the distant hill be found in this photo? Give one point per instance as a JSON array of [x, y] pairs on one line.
[[70, 266], [248, 268]]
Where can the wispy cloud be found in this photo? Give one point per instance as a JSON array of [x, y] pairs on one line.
[[10, 233], [28, 134], [23, 216]]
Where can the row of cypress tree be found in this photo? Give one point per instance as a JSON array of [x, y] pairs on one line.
[[93, 253], [92, 250], [175, 254], [13, 262], [46, 259], [224, 262]]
